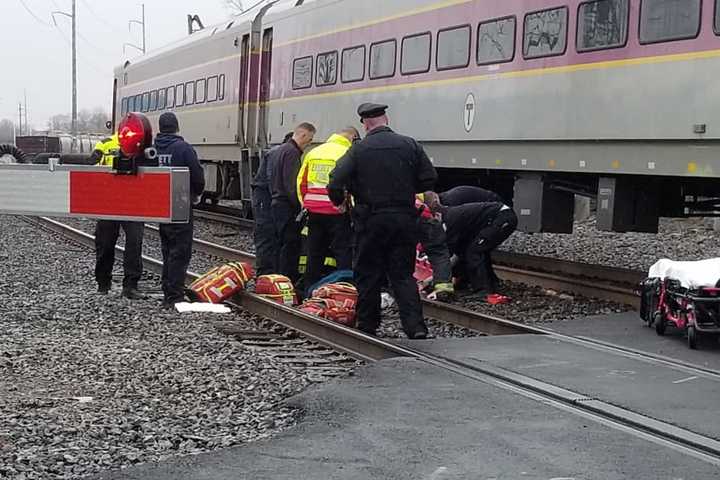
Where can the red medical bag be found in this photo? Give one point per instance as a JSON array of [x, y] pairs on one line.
[[330, 309], [221, 283], [342, 292], [277, 288]]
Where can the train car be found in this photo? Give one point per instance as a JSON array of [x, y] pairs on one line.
[[540, 99]]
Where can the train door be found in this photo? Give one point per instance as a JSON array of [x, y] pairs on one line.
[[243, 97], [265, 73]]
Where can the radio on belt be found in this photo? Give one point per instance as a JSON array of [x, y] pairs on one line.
[[135, 138]]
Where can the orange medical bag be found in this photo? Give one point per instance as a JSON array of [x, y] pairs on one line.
[[221, 283], [342, 292], [330, 309], [277, 288]]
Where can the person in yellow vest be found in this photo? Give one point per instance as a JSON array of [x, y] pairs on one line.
[[329, 226], [106, 235]]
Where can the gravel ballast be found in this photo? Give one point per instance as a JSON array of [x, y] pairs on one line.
[[91, 382]]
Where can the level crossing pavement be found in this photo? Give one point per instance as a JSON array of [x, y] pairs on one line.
[[404, 419]]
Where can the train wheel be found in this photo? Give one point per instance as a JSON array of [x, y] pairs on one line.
[[660, 324], [692, 337]]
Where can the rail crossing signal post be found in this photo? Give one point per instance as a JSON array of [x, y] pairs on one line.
[[129, 190]]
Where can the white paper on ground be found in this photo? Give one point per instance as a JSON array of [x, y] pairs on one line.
[[703, 273], [183, 307]]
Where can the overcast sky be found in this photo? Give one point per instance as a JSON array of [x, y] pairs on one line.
[[36, 55]]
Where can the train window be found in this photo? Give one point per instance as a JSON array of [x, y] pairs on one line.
[[123, 106], [496, 41], [602, 24], [545, 33], [153, 100], [170, 97], [382, 59], [221, 88], [415, 54], [162, 99], [180, 95], [326, 69], [302, 73], [453, 48], [189, 93], [353, 64], [200, 93], [716, 23], [146, 101], [138, 103], [212, 89], [130, 104], [665, 20]]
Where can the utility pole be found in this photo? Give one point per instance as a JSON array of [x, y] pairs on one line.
[[73, 17], [20, 116], [142, 23], [26, 120]]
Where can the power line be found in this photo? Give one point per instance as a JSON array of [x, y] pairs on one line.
[[37, 19], [98, 17]]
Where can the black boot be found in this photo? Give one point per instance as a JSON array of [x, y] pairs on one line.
[[132, 294]]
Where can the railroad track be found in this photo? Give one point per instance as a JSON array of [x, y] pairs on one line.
[[225, 215], [593, 281], [370, 348]]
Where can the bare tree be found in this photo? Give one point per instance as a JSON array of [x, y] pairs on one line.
[[235, 6]]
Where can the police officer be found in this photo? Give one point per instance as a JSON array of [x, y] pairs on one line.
[[328, 227], [474, 230], [106, 235], [176, 238], [383, 172], [467, 194], [285, 164], [265, 237]]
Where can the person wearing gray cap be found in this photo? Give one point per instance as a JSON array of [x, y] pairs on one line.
[[176, 238], [383, 173]]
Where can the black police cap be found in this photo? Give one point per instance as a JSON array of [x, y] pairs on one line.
[[371, 110]]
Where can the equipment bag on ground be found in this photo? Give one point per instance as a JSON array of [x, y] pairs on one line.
[[330, 309], [277, 288], [341, 292], [221, 283]]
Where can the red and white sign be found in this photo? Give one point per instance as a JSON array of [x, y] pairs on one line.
[[157, 194]]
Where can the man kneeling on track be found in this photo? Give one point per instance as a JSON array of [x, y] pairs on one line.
[[467, 194], [176, 238], [473, 231], [106, 236]]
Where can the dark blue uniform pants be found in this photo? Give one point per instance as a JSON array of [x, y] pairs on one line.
[[176, 242], [106, 235], [288, 232], [328, 235], [266, 242], [477, 261], [386, 249]]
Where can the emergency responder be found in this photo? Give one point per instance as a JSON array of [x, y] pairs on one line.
[[106, 235], [176, 238], [474, 230], [266, 241], [467, 194], [285, 164], [329, 227], [434, 243], [383, 172]]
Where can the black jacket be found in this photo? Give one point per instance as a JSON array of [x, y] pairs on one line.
[[174, 151], [384, 170], [464, 222], [467, 194], [284, 164]]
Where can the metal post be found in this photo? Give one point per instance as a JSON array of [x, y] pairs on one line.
[[26, 120], [74, 69], [20, 115], [143, 26]]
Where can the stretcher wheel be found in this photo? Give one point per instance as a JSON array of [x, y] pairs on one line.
[[692, 337], [660, 324]]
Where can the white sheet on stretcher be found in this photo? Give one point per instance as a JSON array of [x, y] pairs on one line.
[[703, 273]]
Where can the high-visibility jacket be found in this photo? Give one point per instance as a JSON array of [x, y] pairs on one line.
[[314, 175], [109, 147]]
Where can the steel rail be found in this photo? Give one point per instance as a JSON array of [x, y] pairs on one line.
[[370, 348], [224, 217], [489, 324]]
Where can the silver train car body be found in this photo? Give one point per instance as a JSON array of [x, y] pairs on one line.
[[539, 99]]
